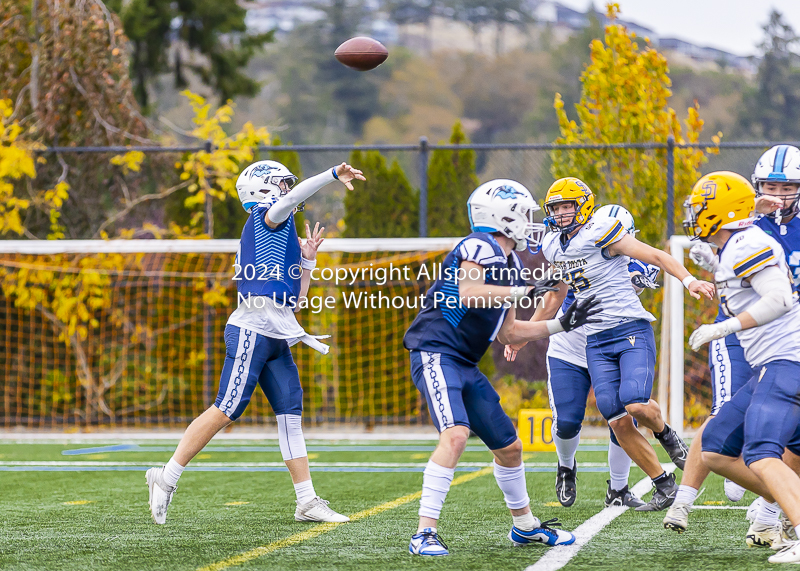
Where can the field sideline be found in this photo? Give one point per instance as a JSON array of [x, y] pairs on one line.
[[84, 505]]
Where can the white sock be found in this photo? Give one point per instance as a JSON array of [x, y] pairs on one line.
[[768, 513], [172, 471], [566, 449], [686, 495], [797, 530], [512, 484], [305, 492], [435, 485], [525, 522], [619, 466], [290, 436]]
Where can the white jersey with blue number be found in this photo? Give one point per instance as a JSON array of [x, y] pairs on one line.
[[570, 346], [588, 270], [746, 253]]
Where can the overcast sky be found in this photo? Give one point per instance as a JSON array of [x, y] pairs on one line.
[[730, 25]]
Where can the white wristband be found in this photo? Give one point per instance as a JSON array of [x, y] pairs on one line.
[[732, 325], [554, 326], [518, 292], [308, 264], [688, 280]]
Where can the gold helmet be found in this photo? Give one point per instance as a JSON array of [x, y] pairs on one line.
[[719, 200], [569, 189]]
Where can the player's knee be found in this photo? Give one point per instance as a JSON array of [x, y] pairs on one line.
[[454, 439], [638, 409], [511, 455], [567, 429]]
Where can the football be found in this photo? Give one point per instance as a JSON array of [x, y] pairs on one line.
[[362, 53]]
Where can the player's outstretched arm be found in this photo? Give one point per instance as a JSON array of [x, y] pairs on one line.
[[579, 313], [473, 291], [544, 311], [281, 210], [633, 248], [777, 299]]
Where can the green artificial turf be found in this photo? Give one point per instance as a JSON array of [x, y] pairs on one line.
[[114, 529]]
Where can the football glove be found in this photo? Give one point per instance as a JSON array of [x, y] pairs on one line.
[[709, 332], [542, 286], [702, 255], [641, 281], [579, 313]]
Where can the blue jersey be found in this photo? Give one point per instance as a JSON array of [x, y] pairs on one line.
[[268, 259], [788, 236], [444, 325]]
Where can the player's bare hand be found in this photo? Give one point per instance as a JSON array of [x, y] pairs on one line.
[[346, 174], [768, 204], [700, 287], [511, 351], [312, 243]]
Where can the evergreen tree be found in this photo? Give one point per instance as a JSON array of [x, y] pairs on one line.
[[451, 180], [385, 206], [215, 29], [771, 109]]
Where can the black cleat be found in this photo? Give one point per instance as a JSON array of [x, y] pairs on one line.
[[565, 485], [621, 497], [662, 498], [675, 447]]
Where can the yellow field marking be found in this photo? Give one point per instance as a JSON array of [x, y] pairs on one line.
[[713, 503], [78, 503], [97, 457], [552, 505], [322, 528], [203, 456], [237, 503], [312, 456], [420, 456], [527, 456]]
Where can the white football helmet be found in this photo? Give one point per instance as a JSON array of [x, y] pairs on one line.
[[620, 213], [506, 206], [779, 164], [261, 180]]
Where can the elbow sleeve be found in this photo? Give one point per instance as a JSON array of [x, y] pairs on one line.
[[775, 290], [281, 210]]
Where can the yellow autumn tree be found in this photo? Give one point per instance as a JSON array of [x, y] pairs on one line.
[[625, 99]]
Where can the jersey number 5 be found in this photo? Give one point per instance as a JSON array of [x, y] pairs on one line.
[[577, 281]]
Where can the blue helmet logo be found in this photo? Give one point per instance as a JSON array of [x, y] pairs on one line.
[[261, 170], [506, 191]]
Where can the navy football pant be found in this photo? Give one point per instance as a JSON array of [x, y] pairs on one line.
[[622, 364], [762, 418], [458, 394], [252, 359]]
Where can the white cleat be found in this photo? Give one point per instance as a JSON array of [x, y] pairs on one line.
[[789, 554], [160, 494], [677, 517], [733, 491], [753, 510], [789, 534], [760, 535], [318, 510]]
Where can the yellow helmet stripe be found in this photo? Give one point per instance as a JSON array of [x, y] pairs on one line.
[[756, 263], [610, 236]]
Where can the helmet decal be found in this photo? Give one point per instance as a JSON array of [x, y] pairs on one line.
[[261, 170], [506, 191]]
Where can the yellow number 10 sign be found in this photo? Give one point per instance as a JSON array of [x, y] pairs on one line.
[[534, 430]]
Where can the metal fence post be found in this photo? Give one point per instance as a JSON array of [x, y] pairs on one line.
[[670, 186], [423, 187]]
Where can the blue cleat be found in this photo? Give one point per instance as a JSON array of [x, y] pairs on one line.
[[427, 542], [542, 534]]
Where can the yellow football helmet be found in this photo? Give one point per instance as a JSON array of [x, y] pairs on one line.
[[569, 189], [719, 200]]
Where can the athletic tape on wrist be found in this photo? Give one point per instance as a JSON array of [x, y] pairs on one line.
[[308, 264], [688, 280], [554, 326]]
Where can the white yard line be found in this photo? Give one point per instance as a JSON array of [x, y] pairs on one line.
[[558, 557], [720, 507], [267, 464]]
